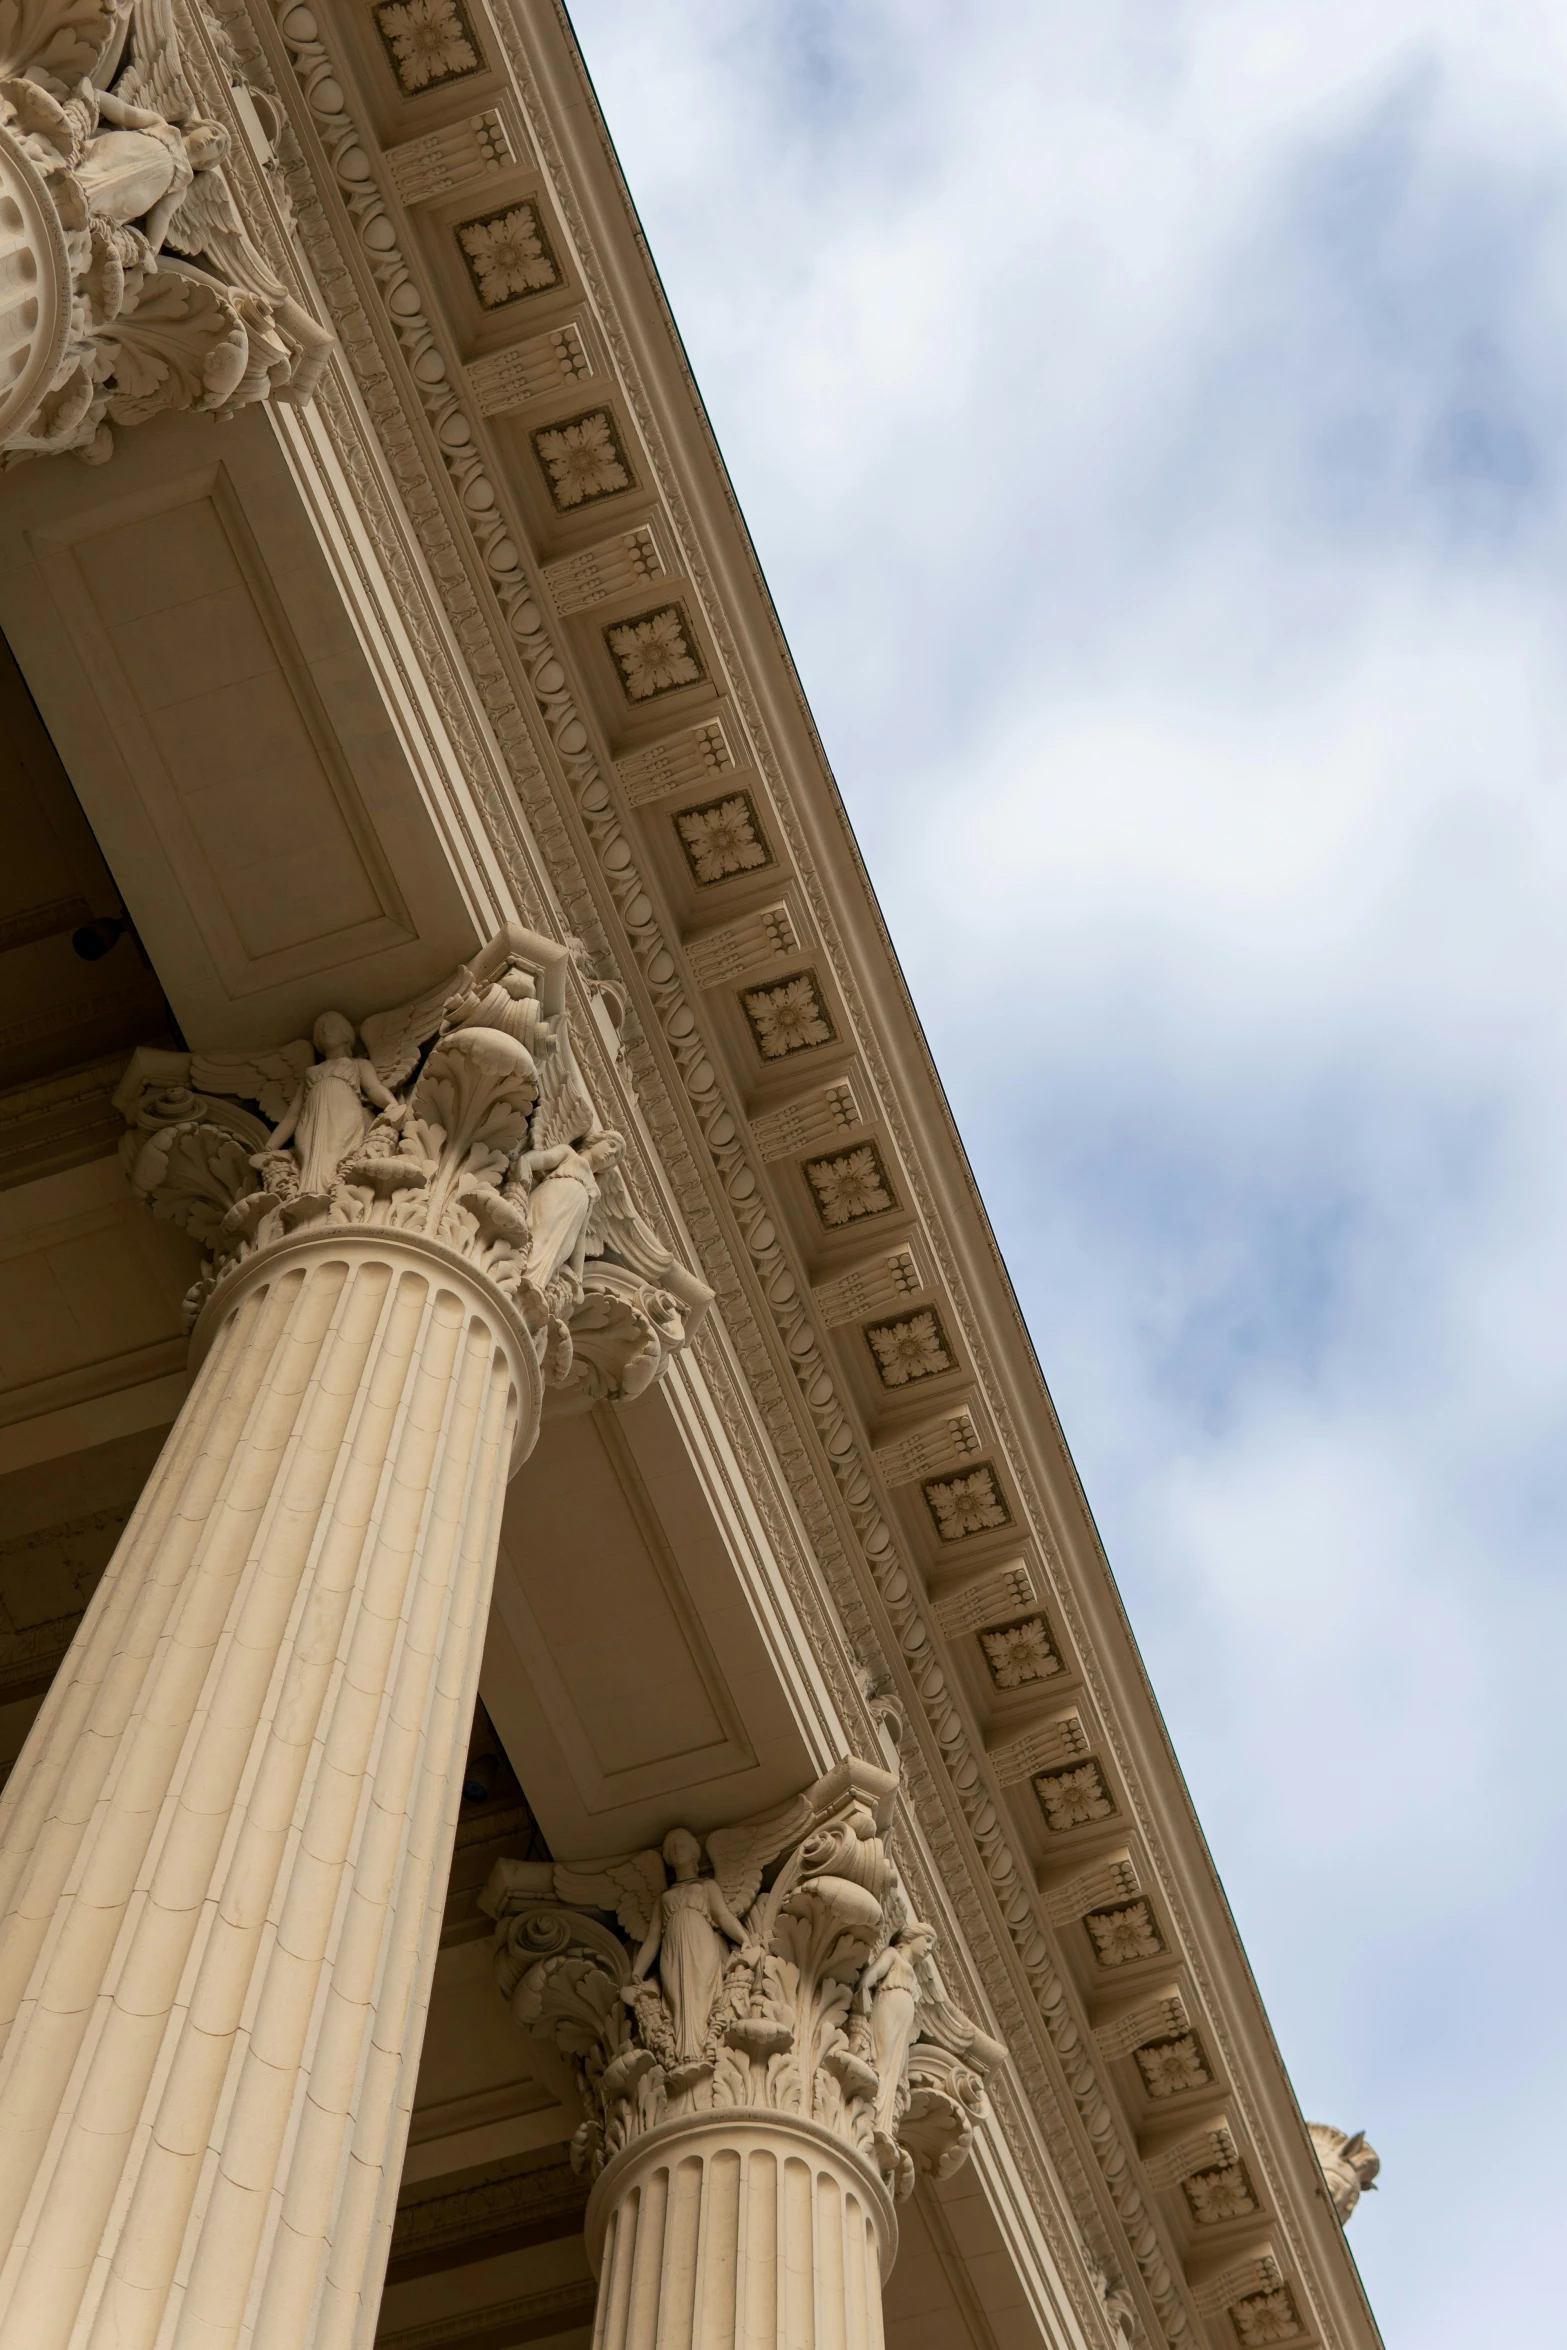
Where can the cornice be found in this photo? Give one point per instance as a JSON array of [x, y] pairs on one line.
[[431, 489]]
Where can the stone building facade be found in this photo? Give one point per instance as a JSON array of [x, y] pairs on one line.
[[574, 1767]]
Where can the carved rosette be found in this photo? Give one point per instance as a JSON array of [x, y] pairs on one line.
[[129, 283], [826, 2010], [460, 1122]]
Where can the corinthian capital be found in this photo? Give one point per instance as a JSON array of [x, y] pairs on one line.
[[148, 291], [461, 1118], [765, 1967]]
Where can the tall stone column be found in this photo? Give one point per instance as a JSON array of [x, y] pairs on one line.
[[762, 2058], [225, 1847]]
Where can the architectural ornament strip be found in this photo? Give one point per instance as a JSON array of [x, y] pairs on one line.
[[540, 2200], [480, 509], [562, 716], [713, 613], [555, 2309], [1095, 2110]]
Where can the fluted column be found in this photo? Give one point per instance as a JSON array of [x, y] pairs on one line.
[[224, 1850], [746, 2232]]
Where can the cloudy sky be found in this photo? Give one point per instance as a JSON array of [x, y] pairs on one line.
[[1152, 418]]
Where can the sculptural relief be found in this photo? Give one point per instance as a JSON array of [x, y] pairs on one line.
[[564, 1192], [785, 1981], [890, 1994], [1349, 2165], [461, 1116], [1119, 2309], [141, 168], [327, 1119], [509, 1004], [684, 1938], [151, 293]]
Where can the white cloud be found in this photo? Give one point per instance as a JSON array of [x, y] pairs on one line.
[[1151, 419]]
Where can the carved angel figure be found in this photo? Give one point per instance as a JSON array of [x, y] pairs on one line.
[[792, 2021], [142, 168], [688, 1919], [327, 1118], [891, 1994], [565, 1189], [681, 1924], [200, 217]]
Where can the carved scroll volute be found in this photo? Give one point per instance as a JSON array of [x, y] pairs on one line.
[[781, 1981], [561, 1973]]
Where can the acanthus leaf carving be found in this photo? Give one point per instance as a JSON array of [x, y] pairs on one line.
[[461, 1117], [63, 37], [775, 1977]]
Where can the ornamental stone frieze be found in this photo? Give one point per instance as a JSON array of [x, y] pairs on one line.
[[459, 1122], [131, 283], [725, 2012]]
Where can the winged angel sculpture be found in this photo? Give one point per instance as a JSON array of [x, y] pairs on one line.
[[462, 1115], [769, 1969], [159, 296]]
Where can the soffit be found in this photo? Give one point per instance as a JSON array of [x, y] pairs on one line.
[[67, 1020], [220, 714], [91, 1289], [626, 1668]]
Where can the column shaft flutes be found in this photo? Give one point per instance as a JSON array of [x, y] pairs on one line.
[[745, 2232], [226, 1839]]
